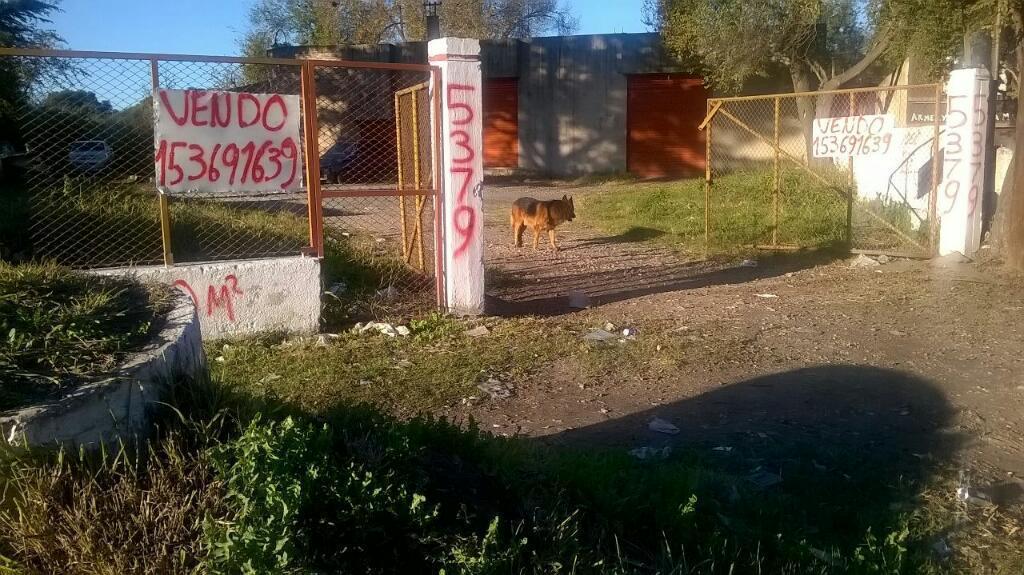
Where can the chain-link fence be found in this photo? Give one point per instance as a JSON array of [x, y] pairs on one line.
[[79, 187], [848, 168], [82, 176]]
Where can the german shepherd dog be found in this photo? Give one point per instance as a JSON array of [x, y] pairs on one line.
[[540, 216]]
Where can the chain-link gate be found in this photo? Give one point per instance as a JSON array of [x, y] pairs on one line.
[[79, 188], [846, 168]]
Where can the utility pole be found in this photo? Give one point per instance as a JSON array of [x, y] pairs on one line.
[[430, 8]]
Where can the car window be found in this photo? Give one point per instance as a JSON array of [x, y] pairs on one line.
[[87, 146]]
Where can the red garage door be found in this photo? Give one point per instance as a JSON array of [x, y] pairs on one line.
[[501, 123], [662, 114]]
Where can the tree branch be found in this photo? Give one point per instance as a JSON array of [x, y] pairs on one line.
[[818, 70], [870, 58]]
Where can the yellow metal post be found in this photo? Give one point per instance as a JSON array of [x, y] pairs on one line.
[[707, 184], [420, 201], [162, 202], [777, 181], [401, 174]]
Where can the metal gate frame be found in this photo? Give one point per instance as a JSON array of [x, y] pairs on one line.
[[317, 195], [717, 106]]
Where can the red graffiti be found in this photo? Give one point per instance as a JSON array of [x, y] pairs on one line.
[[464, 216], [249, 163], [955, 156], [220, 109], [217, 297]]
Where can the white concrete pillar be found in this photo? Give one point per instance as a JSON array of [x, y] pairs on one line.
[[462, 171], [966, 151]]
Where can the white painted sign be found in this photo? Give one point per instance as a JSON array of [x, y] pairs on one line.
[[965, 152], [211, 141], [867, 135]]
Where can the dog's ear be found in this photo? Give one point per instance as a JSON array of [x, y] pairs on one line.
[[565, 197]]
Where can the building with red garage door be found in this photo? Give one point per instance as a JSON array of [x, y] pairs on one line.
[[575, 105]]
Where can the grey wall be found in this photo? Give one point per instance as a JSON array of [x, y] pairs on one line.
[[572, 99], [572, 91]]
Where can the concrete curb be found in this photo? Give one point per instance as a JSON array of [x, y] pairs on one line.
[[116, 407]]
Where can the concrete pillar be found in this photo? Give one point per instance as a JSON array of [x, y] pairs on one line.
[[462, 172], [966, 154]]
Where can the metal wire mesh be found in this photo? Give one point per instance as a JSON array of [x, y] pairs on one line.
[[85, 130], [84, 179], [789, 171], [374, 136]]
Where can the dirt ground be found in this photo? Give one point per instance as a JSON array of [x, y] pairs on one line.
[[910, 360]]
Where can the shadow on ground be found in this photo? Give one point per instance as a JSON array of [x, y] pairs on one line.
[[846, 446], [525, 292], [811, 457]]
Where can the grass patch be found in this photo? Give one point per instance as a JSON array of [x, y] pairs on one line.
[[810, 214], [435, 367], [59, 327], [356, 491]]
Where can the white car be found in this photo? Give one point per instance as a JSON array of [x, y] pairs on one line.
[[89, 154]]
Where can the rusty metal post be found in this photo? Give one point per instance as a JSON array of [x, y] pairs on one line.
[[933, 198], [162, 202], [311, 127], [777, 180]]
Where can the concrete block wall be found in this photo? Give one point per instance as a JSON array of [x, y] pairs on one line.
[[236, 298], [116, 407]]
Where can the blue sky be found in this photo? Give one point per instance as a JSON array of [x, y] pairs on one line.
[[214, 26]]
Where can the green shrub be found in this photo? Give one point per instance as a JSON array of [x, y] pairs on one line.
[[294, 505]]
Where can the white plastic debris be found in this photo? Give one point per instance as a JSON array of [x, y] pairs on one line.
[[337, 289], [478, 331], [629, 332], [863, 261], [381, 328], [600, 336], [609, 326], [766, 295], [748, 264], [578, 299], [661, 426], [722, 449], [643, 453], [495, 389]]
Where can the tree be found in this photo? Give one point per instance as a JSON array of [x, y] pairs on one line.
[[81, 101], [822, 44], [22, 25], [333, 22]]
